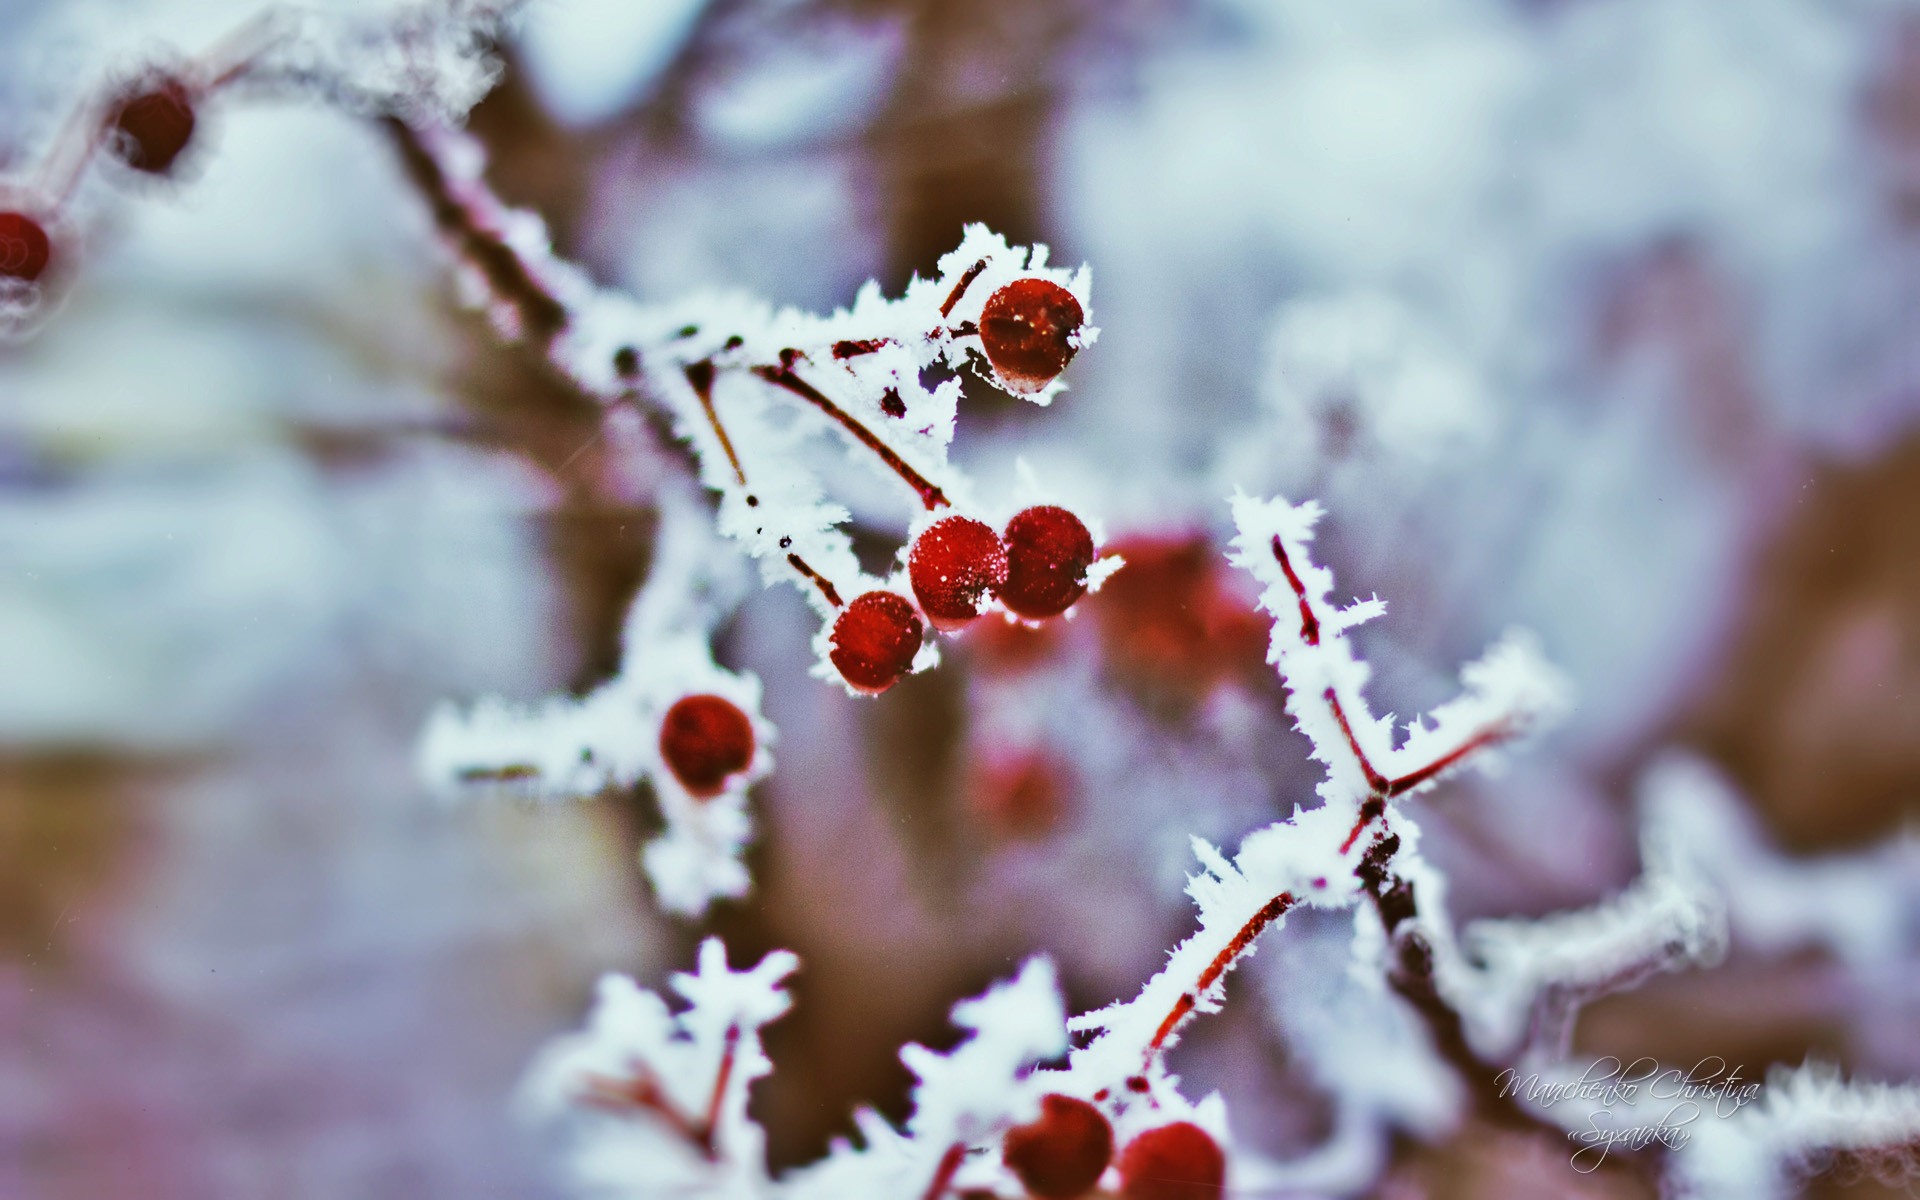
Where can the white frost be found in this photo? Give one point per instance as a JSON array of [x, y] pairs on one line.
[[563, 748]]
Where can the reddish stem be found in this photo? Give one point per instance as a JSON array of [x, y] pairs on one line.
[[1376, 782], [783, 376], [700, 377], [1309, 621], [960, 289], [818, 580], [1222, 962], [943, 1174], [730, 1049], [641, 1092], [1383, 788], [1380, 787], [1499, 731]]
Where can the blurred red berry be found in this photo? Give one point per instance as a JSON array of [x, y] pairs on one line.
[[1170, 622], [1061, 1154], [1048, 553], [1174, 1162], [952, 566], [1023, 795], [152, 126], [25, 249], [705, 739], [1027, 330], [874, 640]]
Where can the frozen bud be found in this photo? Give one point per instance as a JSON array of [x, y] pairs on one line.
[[151, 126], [1061, 1154], [952, 566], [874, 640], [1048, 553], [1174, 1162], [704, 739], [1027, 329]]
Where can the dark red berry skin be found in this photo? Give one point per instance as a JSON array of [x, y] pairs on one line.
[[153, 126], [25, 249], [1174, 1162], [704, 739], [1048, 553], [1062, 1154], [952, 566], [874, 640], [1027, 330]]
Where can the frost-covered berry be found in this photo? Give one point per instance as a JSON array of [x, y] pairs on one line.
[[25, 249], [874, 640], [1174, 1162], [153, 125], [952, 566], [704, 739], [1027, 330], [1048, 553], [1061, 1154]]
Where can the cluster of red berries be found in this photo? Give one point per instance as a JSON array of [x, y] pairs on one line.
[[1063, 1153], [1037, 567], [706, 740], [147, 129]]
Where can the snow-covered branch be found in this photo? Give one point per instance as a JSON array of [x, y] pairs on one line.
[[1806, 1120], [668, 1091], [745, 385], [671, 718]]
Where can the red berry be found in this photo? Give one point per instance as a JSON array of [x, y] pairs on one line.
[[704, 740], [153, 126], [952, 566], [1174, 1162], [1027, 330], [874, 640], [1048, 553], [24, 247], [1062, 1154]]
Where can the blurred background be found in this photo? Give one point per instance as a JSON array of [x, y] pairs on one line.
[[1600, 317]]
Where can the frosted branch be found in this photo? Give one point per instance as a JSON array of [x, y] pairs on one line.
[[663, 1095], [961, 1099], [1533, 975], [1806, 1120], [1314, 857], [733, 373], [563, 748]]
